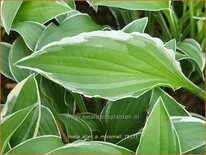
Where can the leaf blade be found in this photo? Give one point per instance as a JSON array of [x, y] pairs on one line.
[[118, 68], [159, 126], [9, 11]]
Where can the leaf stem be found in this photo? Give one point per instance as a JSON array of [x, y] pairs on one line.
[[172, 22], [80, 102], [192, 25], [195, 90], [97, 105]]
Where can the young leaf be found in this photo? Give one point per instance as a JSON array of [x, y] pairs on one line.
[[172, 106], [38, 145], [30, 32], [40, 11], [5, 50], [138, 25], [17, 52], [124, 117], [9, 10], [11, 123], [76, 128], [171, 45], [109, 64], [71, 26], [159, 135], [133, 5], [93, 147], [191, 132], [194, 52]]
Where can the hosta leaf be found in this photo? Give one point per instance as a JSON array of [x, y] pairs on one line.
[[71, 26], [38, 145], [17, 52], [171, 45], [55, 95], [194, 52], [133, 5], [30, 32], [199, 150], [39, 122], [191, 132], [159, 135], [130, 141], [5, 49], [124, 117], [11, 123], [109, 64], [40, 11], [19, 99], [70, 102], [9, 10], [138, 25], [76, 128], [172, 106], [93, 147], [92, 120]]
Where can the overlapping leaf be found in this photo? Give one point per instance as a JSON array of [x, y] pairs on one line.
[[38, 145], [159, 135], [39, 121], [40, 11], [133, 5], [194, 53], [9, 10], [71, 26], [30, 32], [18, 51], [172, 106], [138, 25], [109, 64], [93, 147], [11, 123], [124, 117], [191, 132], [5, 49], [76, 128]]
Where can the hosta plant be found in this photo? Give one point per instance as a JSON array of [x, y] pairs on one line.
[[88, 88]]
